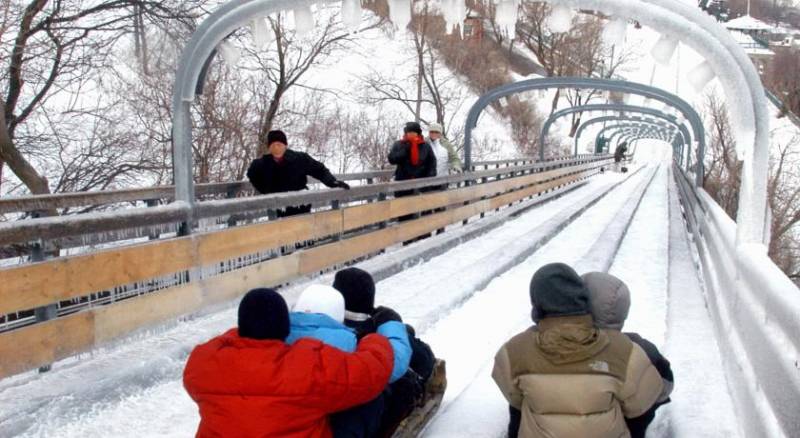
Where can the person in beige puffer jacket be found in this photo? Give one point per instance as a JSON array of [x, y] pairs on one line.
[[566, 378]]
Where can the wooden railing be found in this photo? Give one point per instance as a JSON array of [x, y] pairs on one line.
[[341, 234], [155, 195]]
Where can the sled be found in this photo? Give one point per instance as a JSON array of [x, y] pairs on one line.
[[434, 392]]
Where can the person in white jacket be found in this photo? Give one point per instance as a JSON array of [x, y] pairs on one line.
[[447, 161]]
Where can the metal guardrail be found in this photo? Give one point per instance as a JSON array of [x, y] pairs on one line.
[[159, 194], [755, 308]]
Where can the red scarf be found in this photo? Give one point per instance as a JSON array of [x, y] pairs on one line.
[[415, 141]]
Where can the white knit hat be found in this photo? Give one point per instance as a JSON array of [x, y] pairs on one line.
[[319, 298], [435, 127]]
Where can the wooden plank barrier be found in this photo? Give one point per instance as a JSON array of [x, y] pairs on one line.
[[43, 283]]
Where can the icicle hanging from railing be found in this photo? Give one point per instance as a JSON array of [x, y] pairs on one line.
[[560, 19], [400, 13], [262, 33], [230, 53], [664, 49], [303, 20], [700, 76], [614, 32], [351, 14], [454, 12], [506, 16]]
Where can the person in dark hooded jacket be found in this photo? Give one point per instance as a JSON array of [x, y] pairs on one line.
[[285, 170], [400, 397], [619, 152], [413, 157], [611, 300], [564, 377]]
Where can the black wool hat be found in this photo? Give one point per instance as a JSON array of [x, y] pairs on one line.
[[276, 135], [263, 314], [358, 289], [413, 127], [557, 290]]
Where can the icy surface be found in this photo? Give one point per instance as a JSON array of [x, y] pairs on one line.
[[560, 19]]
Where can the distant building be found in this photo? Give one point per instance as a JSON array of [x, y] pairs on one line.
[[473, 28]]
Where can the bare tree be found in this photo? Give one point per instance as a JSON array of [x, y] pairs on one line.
[[57, 45], [291, 59], [782, 79]]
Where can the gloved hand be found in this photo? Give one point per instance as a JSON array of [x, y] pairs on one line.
[[342, 185], [385, 314]]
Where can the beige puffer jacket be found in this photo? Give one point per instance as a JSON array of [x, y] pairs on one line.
[[570, 379]]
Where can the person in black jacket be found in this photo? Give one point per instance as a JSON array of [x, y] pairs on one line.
[[285, 170], [610, 300], [399, 398], [413, 157]]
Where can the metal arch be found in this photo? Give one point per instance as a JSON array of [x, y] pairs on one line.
[[575, 82], [616, 107], [624, 131], [637, 125], [663, 133], [606, 119]]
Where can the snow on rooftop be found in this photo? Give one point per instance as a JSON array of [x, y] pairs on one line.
[[747, 22]]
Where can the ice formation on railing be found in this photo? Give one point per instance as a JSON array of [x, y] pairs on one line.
[[262, 33], [351, 14], [614, 32], [303, 20], [400, 13], [663, 49], [560, 19]]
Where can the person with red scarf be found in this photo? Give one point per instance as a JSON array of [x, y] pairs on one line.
[[413, 157]]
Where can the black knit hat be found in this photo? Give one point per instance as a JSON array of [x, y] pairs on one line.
[[413, 127], [274, 136], [263, 314], [557, 290], [358, 289]]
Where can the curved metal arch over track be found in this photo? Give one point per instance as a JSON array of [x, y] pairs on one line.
[[606, 119], [616, 107], [626, 134], [591, 83], [624, 130], [634, 123]]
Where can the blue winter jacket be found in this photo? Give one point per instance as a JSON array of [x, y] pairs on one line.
[[321, 327], [397, 335], [326, 329]]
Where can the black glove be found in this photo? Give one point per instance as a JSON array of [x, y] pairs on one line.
[[385, 314], [342, 185]]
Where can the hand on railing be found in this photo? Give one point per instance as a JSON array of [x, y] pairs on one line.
[[342, 185]]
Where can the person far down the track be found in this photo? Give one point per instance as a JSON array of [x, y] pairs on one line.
[[285, 170], [251, 382], [564, 377], [399, 398]]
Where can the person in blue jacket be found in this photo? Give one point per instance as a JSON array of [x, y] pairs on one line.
[[319, 314]]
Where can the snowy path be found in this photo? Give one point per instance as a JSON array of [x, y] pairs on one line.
[[136, 389], [479, 410]]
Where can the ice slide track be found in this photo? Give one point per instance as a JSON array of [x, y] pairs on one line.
[[146, 373]]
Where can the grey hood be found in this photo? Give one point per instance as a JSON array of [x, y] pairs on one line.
[[610, 299]]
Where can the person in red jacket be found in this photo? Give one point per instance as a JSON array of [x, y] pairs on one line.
[[248, 383]]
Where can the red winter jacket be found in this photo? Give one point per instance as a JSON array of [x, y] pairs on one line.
[[266, 388]]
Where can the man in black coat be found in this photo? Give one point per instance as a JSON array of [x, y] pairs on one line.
[[399, 398], [619, 153], [285, 170], [413, 157]]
